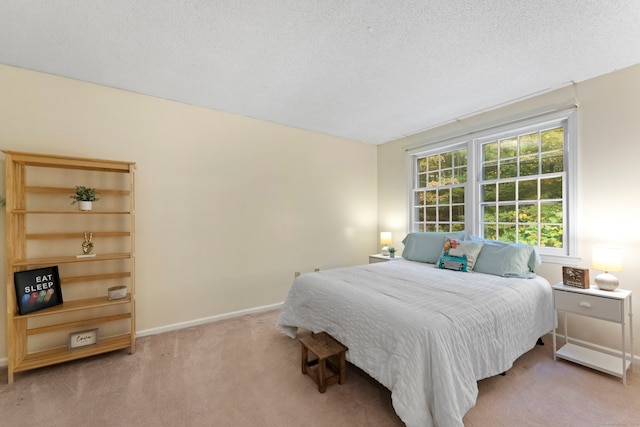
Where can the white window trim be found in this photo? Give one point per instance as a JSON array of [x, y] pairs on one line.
[[571, 255], [450, 145]]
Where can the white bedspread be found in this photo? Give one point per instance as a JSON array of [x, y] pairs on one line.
[[426, 334]]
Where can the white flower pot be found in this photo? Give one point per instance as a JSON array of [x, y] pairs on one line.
[[85, 206]]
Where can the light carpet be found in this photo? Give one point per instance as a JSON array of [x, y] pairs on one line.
[[242, 372]]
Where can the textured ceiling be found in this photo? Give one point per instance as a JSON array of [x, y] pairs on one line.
[[371, 71]]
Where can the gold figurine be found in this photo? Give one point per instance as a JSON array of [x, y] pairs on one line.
[[87, 245]]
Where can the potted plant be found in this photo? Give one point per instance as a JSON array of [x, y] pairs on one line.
[[84, 196], [392, 252]]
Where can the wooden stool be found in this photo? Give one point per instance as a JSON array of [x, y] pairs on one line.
[[323, 346]]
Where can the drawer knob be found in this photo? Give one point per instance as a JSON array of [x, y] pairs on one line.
[[584, 304]]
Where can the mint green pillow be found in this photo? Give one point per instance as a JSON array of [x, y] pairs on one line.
[[426, 246], [505, 259]]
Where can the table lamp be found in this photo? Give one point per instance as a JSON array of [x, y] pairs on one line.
[[385, 241], [606, 259]]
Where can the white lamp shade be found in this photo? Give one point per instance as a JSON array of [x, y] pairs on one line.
[[385, 238], [606, 259]]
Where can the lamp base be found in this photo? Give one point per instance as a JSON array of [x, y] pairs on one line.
[[385, 250], [607, 282]]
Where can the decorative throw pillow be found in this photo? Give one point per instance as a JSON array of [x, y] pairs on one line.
[[459, 255]]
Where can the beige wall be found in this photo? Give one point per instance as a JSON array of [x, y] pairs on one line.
[[609, 173], [228, 207]]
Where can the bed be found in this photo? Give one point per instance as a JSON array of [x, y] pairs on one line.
[[428, 334]]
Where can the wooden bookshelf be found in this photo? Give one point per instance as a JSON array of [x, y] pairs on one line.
[[39, 217]]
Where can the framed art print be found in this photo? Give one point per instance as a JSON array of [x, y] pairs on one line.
[[576, 277], [37, 289]]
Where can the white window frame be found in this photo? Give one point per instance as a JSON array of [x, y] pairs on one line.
[[448, 148], [569, 253]]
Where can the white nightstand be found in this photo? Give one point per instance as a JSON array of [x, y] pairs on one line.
[[382, 258], [613, 306]]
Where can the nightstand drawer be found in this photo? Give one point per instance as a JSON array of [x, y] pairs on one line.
[[587, 305]]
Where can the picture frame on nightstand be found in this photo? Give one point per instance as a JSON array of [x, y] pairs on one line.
[[576, 277]]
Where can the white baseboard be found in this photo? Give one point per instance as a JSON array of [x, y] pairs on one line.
[[195, 322], [204, 320]]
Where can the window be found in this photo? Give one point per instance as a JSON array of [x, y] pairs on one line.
[[439, 191], [515, 183]]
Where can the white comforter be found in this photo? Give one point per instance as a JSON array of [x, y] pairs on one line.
[[426, 334]]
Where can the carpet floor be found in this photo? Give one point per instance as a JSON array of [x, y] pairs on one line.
[[242, 372]]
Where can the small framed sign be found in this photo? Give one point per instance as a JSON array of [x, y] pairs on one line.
[[83, 338], [37, 289], [576, 277]]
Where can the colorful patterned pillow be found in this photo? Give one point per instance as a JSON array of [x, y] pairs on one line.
[[459, 255]]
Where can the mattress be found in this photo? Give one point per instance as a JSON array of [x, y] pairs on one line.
[[426, 334]]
